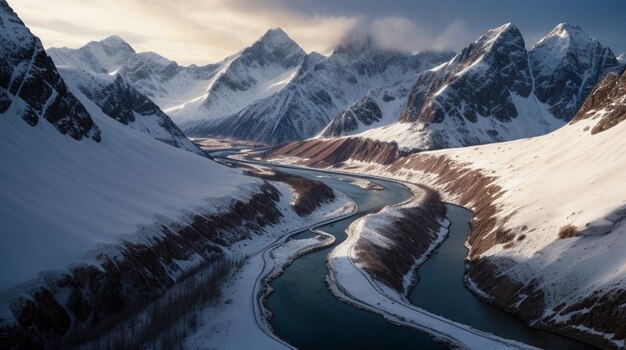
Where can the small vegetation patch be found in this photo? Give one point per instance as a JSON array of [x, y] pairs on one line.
[[567, 231]]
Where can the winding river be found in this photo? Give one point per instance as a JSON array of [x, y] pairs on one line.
[[308, 316]]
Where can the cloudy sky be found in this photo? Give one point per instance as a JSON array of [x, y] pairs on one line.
[[205, 31]]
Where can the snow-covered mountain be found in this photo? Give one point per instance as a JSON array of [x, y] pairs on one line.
[[122, 102], [495, 90], [256, 72], [566, 65], [92, 71], [271, 91], [105, 56], [322, 87], [195, 96]]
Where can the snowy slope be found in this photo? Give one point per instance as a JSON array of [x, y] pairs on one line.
[[494, 90], [578, 176], [87, 195]]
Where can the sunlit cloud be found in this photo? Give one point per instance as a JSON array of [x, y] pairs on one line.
[[200, 31]]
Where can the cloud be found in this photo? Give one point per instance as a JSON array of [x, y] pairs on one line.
[[401, 33], [190, 31], [206, 31]]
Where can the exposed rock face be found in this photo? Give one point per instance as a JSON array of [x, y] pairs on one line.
[[364, 112], [137, 273], [567, 64], [310, 194], [484, 94], [30, 81], [320, 153], [483, 76], [494, 90], [608, 101]]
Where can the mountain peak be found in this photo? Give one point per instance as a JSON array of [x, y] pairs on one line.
[[505, 34], [274, 47], [111, 45], [503, 30], [567, 33], [566, 27], [276, 37], [113, 40]]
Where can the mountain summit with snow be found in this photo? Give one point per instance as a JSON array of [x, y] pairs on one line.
[[105, 56], [567, 64], [252, 74], [476, 96]]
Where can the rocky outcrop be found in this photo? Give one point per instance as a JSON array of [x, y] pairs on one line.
[[31, 84], [310, 194], [131, 274], [607, 103], [364, 112], [319, 153], [484, 94]]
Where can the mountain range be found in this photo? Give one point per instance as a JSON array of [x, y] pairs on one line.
[[273, 92]]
